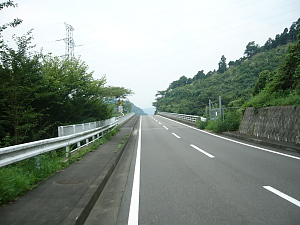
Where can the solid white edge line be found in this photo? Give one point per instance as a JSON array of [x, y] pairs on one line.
[[282, 195], [253, 146], [204, 152], [175, 135], [133, 218]]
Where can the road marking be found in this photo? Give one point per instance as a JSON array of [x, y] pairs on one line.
[[175, 135], [159, 122], [252, 146], [133, 218], [204, 152], [166, 128], [282, 195]]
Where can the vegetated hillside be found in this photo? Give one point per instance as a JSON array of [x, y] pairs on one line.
[[137, 110], [235, 82], [235, 85], [281, 87]]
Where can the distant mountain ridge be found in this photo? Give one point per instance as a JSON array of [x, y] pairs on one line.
[[150, 111], [137, 110]]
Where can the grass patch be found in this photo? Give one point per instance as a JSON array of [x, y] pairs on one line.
[[18, 178], [122, 142]]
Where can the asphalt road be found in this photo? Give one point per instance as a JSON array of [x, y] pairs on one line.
[[175, 174]]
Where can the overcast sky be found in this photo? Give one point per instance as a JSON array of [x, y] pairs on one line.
[[145, 45]]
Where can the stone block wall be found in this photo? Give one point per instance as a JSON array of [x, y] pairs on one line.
[[281, 123]]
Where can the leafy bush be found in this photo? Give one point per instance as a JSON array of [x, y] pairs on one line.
[[231, 122], [201, 124], [232, 119], [217, 125]]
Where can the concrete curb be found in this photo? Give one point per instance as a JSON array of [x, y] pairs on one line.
[[276, 144], [81, 210]]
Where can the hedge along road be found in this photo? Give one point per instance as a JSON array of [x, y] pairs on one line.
[[181, 175]]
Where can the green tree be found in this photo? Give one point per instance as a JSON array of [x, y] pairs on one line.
[[281, 87], [117, 92], [72, 91], [263, 79], [183, 80], [199, 75], [251, 49], [288, 75], [40, 92], [14, 23], [222, 65], [20, 74], [294, 29]]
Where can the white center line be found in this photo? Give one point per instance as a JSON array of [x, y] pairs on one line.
[[133, 218], [159, 122], [204, 152], [282, 195], [166, 128], [175, 135]]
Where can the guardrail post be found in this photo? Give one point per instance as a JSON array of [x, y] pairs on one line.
[[37, 162], [67, 151]]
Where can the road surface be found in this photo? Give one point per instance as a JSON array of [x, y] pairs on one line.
[[175, 174]]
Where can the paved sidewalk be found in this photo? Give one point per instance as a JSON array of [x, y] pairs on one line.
[[68, 196]]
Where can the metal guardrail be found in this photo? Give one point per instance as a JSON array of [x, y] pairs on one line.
[[182, 117], [123, 119], [78, 128], [16, 153]]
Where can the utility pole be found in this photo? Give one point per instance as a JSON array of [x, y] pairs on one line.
[[220, 106], [209, 105]]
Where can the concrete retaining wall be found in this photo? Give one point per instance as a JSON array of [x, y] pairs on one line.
[[281, 123]]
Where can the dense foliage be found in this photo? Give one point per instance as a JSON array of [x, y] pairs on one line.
[[240, 80], [281, 87], [40, 92]]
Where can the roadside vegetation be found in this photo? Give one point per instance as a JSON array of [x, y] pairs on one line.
[[40, 92], [21, 177], [230, 122]]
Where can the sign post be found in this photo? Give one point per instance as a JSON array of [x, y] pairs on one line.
[[120, 108]]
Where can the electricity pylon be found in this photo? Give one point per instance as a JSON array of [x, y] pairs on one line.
[[70, 44]]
